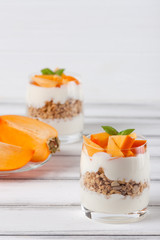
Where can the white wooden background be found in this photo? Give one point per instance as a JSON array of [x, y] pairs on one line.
[[113, 44], [45, 203]]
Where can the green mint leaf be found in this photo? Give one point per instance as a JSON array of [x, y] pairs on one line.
[[126, 132], [110, 130], [47, 71], [59, 71]]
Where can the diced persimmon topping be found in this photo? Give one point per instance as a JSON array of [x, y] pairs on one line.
[[138, 143], [70, 79], [54, 80], [133, 135], [47, 83], [115, 143], [100, 138], [14, 157], [113, 149], [29, 133], [124, 142], [91, 147], [139, 146]]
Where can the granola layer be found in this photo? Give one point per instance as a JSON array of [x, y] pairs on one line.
[[99, 183], [51, 110]]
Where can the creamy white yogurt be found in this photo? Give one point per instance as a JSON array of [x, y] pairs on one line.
[[115, 204], [129, 168], [66, 126], [37, 96]]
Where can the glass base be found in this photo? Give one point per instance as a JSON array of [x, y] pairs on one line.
[[65, 139], [116, 218]]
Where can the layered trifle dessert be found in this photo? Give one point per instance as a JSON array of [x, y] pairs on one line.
[[56, 98], [115, 169]]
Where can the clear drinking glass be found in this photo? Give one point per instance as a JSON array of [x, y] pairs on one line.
[[61, 107], [115, 189]]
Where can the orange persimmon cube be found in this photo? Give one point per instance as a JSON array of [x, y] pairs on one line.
[[70, 78], [13, 157], [133, 135], [139, 146], [138, 143], [100, 138], [113, 149], [124, 142], [129, 153], [91, 147]]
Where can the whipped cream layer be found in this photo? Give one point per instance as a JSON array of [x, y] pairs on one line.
[[66, 126], [37, 96], [114, 204], [129, 168]]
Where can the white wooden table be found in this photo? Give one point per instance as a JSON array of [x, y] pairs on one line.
[[45, 203]]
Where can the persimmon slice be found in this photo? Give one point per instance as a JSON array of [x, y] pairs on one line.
[[48, 83], [139, 146], [113, 149], [91, 147], [138, 143], [70, 79], [124, 142], [100, 138], [13, 157], [29, 133]]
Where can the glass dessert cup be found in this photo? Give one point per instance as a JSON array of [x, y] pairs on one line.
[[60, 106], [115, 189]]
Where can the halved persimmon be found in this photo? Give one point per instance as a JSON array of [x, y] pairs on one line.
[[29, 133], [13, 157], [91, 147], [100, 138]]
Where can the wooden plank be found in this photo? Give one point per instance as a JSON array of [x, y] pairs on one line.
[[68, 167], [131, 112], [70, 221], [128, 110], [51, 193], [76, 237]]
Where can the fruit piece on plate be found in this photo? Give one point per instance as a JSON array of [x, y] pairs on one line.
[[13, 157], [91, 147], [113, 149], [100, 138], [48, 83], [139, 146], [29, 133]]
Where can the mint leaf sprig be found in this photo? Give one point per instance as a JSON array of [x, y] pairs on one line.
[[112, 131], [47, 71]]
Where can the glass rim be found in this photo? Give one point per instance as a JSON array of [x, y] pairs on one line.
[[127, 149]]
